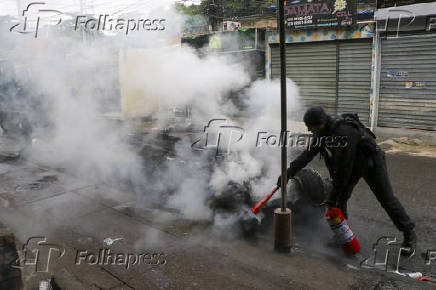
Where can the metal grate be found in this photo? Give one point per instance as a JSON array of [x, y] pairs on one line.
[[408, 82]]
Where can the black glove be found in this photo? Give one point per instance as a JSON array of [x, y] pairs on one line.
[[289, 174], [328, 203], [331, 199]]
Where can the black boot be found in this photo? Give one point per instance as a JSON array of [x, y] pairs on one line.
[[409, 243]]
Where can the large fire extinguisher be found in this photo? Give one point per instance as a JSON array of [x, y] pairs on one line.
[[342, 230]]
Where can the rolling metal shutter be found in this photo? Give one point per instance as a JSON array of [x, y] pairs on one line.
[[330, 72], [355, 78], [415, 58], [313, 68]]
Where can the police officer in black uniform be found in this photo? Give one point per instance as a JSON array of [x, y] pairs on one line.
[[350, 152]]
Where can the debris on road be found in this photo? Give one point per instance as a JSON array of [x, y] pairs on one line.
[[110, 242], [48, 285], [349, 266], [304, 195]]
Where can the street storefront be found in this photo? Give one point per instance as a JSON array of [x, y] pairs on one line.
[[338, 62], [331, 67], [408, 82], [328, 54], [332, 74], [407, 67]]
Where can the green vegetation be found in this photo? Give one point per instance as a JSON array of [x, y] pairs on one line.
[[228, 9]]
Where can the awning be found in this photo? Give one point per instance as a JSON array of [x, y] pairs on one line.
[[415, 10]]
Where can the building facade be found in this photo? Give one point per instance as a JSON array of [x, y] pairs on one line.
[[383, 67], [405, 91]]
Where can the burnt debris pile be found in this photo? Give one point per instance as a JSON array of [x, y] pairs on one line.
[[305, 194], [167, 168]]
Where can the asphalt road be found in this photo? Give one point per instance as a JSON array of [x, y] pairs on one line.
[[413, 181], [76, 218]]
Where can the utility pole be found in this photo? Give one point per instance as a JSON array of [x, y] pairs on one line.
[[215, 11], [19, 8], [86, 8], [282, 216], [82, 12]]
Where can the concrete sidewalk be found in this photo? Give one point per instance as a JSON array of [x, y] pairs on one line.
[[69, 222], [424, 136]]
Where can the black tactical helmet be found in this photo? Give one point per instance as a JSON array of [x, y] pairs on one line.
[[315, 116]]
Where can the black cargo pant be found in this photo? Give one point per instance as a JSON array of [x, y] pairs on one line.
[[373, 169]]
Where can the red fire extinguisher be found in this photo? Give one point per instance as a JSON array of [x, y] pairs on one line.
[[342, 230]]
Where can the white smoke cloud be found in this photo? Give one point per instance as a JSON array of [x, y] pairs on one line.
[[76, 81], [179, 77]]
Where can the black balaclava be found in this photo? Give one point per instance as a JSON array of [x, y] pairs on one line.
[[316, 116]]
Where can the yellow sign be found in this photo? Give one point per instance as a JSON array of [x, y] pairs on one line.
[[215, 42]]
